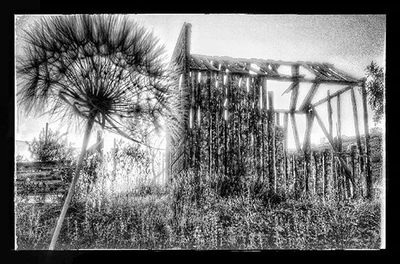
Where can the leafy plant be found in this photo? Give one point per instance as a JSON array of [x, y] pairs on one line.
[[50, 146], [375, 86]]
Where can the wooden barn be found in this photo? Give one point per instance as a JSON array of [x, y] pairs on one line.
[[232, 128]]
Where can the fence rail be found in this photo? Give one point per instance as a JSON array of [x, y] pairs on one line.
[[39, 178]]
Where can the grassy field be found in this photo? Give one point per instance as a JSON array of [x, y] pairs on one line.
[[170, 218]]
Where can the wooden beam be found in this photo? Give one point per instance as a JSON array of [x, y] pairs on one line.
[[271, 143], [355, 118], [329, 105], [284, 111], [281, 77], [310, 95], [331, 96], [368, 177], [295, 90], [291, 86], [307, 149], [339, 123]]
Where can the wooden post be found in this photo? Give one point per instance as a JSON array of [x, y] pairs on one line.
[[339, 145], [286, 164], [329, 105], [278, 121], [263, 124], [318, 172], [46, 134], [271, 141], [295, 177], [209, 106], [226, 117], [368, 176], [307, 149], [293, 102], [355, 118], [354, 154], [339, 123], [327, 165], [295, 132]]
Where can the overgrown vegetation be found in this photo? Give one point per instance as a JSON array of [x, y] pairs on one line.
[[149, 216], [375, 88], [50, 146]]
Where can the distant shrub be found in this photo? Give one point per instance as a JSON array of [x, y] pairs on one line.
[[52, 148]]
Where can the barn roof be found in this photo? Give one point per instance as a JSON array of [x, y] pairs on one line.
[[324, 72]]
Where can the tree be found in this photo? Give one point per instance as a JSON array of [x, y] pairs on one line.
[[375, 89], [100, 69], [50, 147]]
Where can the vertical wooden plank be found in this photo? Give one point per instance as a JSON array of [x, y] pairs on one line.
[[329, 105], [347, 180], [368, 175], [257, 120], [240, 120], [271, 143], [307, 149], [354, 154], [355, 119], [326, 170], [225, 124], [285, 130], [286, 164], [295, 177], [317, 171], [339, 123], [295, 131], [46, 133], [293, 101], [263, 123], [278, 120], [341, 188], [248, 119], [210, 121]]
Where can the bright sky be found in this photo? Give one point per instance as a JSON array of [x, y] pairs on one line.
[[350, 42]]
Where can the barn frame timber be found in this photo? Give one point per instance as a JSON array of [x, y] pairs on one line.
[[224, 93]]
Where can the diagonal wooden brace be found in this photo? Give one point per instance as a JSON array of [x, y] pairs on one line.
[[341, 160]]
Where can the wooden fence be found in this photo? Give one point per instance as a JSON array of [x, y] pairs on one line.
[[41, 178]]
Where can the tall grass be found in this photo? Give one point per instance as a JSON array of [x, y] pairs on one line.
[[164, 218]]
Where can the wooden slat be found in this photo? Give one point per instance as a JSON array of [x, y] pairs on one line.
[[285, 130], [368, 176], [295, 132], [329, 105], [271, 143], [331, 96], [295, 90], [355, 118], [310, 95], [339, 122], [24, 174]]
